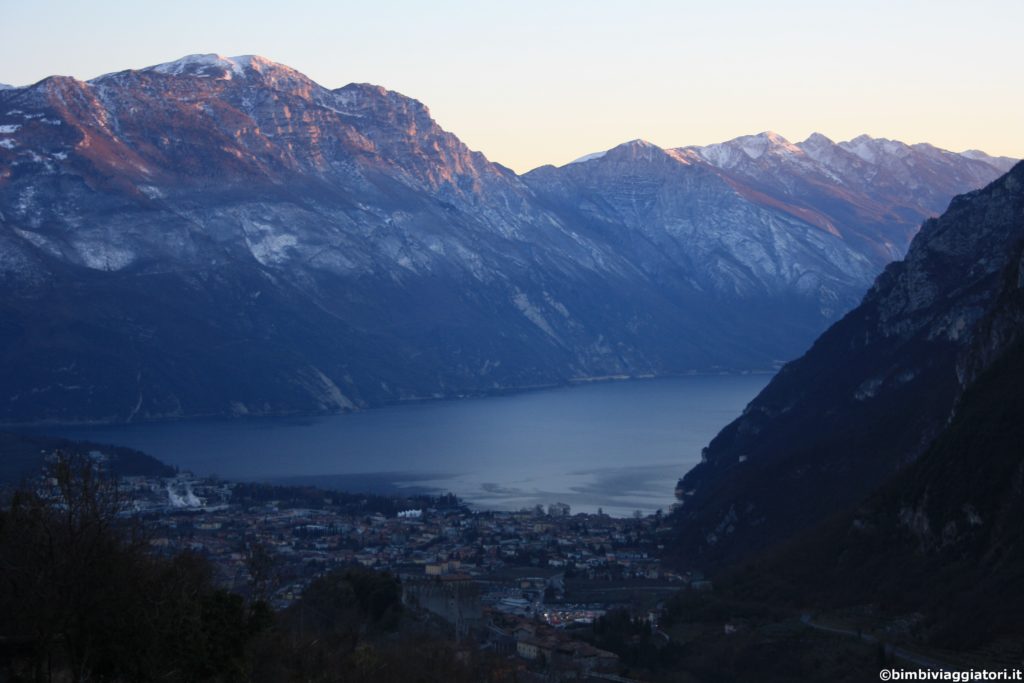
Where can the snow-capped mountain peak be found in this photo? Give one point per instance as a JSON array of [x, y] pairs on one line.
[[815, 140], [871, 149], [747, 148], [635, 150], [198, 65], [639, 143], [769, 142], [820, 149], [208, 64]]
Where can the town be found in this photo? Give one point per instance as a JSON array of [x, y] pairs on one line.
[[517, 583]]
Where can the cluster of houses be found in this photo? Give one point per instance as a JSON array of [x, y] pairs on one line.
[[198, 514], [498, 577]]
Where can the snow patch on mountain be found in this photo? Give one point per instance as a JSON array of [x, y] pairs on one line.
[[267, 244], [332, 394], [533, 314], [818, 147], [872, 150], [589, 157], [39, 241], [212, 65], [103, 255], [733, 152]]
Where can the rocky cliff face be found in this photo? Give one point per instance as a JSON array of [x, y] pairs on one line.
[[224, 236], [678, 216], [873, 392], [875, 192], [815, 221], [941, 539]]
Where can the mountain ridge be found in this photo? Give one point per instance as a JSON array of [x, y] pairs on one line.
[[224, 236]]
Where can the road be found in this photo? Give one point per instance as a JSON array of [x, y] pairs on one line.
[[893, 650]]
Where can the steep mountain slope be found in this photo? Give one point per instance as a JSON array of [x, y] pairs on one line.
[[813, 222], [942, 539], [872, 393], [219, 235], [668, 209], [875, 192], [224, 236]]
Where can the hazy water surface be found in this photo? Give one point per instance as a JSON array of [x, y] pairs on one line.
[[620, 446]]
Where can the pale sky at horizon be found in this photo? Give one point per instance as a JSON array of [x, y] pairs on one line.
[[533, 82]]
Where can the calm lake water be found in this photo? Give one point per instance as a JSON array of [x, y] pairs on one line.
[[620, 446]]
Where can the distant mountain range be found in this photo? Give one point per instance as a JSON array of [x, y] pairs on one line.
[[223, 236]]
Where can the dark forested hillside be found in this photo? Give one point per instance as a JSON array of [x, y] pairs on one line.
[[872, 393], [942, 539]]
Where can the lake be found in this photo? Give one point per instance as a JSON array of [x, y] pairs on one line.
[[618, 446]]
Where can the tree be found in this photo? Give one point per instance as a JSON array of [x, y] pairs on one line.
[[263, 570], [86, 600], [58, 554]]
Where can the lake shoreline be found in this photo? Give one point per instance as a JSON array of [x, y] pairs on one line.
[[612, 444], [38, 426]]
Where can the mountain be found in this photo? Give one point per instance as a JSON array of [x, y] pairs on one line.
[[1002, 163], [941, 540], [874, 397], [682, 222], [811, 223], [876, 191], [223, 236]]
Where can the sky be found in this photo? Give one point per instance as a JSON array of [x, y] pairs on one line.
[[535, 82]]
